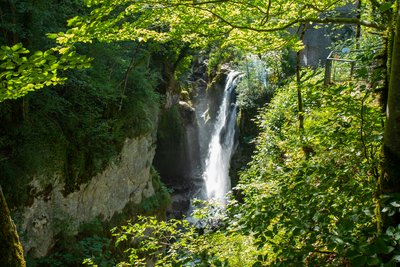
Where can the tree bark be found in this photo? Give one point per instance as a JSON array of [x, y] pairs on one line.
[[11, 252], [391, 179], [302, 31]]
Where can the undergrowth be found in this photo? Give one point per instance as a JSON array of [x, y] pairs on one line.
[[308, 198]]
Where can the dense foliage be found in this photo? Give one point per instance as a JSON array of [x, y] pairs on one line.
[[29, 60], [309, 199], [21, 74], [76, 130], [311, 195]]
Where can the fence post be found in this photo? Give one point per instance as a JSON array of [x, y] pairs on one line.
[[328, 71]]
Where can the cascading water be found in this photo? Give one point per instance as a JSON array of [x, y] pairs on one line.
[[216, 172]]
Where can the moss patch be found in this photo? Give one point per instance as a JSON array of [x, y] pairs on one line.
[[159, 202], [11, 252]]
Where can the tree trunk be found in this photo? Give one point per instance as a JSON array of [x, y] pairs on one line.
[[302, 30], [391, 181], [11, 253]]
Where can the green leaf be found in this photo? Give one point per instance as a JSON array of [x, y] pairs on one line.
[[373, 261], [359, 261], [389, 249], [52, 35], [38, 54], [382, 247], [8, 65], [397, 236], [395, 204], [390, 231], [385, 6], [386, 209], [353, 254], [337, 240], [396, 258], [16, 47]]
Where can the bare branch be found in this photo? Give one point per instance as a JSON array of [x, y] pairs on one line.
[[266, 18]]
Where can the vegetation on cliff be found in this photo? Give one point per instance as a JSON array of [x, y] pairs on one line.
[[313, 205], [322, 187]]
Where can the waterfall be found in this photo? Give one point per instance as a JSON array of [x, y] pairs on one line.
[[221, 146]]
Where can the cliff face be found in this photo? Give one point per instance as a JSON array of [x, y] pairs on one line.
[[184, 133], [126, 182]]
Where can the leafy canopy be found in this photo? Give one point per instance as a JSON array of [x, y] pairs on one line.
[[256, 26], [251, 25], [22, 71]]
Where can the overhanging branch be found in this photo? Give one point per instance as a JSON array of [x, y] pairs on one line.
[[354, 21], [328, 20], [204, 6]]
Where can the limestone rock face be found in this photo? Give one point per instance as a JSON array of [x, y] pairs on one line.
[[124, 182]]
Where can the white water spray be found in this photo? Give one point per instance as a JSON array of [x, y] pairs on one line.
[[216, 173]]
